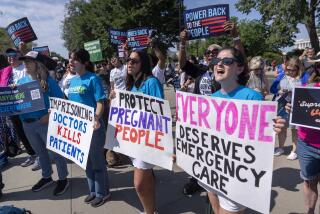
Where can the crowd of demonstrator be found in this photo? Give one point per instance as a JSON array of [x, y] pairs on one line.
[[221, 72]]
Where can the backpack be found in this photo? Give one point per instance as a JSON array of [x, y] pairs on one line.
[[10, 209]]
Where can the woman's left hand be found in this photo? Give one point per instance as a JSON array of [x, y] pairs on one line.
[[44, 119], [96, 124], [279, 123]]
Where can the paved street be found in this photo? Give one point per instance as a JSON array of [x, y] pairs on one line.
[[286, 194]]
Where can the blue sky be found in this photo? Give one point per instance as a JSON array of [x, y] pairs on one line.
[[46, 17]]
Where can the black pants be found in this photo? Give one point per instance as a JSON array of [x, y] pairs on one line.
[[1, 184], [20, 132]]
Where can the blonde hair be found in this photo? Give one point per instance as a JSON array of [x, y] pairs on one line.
[[296, 62], [256, 63], [42, 74]]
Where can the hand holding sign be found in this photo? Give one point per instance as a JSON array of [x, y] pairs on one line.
[[21, 31], [231, 27], [184, 36], [206, 21]]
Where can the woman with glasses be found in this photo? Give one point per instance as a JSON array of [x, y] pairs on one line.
[[231, 71], [291, 79], [86, 88], [308, 149], [140, 79], [257, 80]]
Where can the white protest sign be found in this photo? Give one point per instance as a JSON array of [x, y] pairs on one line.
[[228, 145], [140, 126], [70, 130]]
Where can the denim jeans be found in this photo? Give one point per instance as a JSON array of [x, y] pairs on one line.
[[96, 170], [309, 159], [37, 136]]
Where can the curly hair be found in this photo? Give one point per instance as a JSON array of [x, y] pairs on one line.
[[244, 76]]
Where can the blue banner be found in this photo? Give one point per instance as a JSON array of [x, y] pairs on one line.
[[21, 31], [117, 37], [44, 50], [206, 21], [138, 38], [23, 99]]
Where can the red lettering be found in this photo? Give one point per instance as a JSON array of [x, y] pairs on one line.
[[315, 112], [142, 133], [147, 140], [118, 129], [133, 135], [125, 131], [59, 129], [79, 138], [157, 140]]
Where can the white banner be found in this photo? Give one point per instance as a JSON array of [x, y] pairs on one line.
[[140, 126], [228, 145], [70, 130]]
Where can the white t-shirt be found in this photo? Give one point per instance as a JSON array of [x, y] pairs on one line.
[[159, 73], [18, 73], [118, 77], [64, 83]]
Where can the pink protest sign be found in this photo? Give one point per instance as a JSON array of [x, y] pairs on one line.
[[228, 146]]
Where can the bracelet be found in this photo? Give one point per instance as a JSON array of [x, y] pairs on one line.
[[236, 38]]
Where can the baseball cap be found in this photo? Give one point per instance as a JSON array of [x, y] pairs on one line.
[[12, 52], [36, 56]]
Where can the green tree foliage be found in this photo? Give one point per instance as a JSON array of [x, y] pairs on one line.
[[283, 18], [5, 41], [88, 20]]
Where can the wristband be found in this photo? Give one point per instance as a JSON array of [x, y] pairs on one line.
[[236, 38]]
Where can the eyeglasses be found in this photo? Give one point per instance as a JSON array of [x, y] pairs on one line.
[[225, 61], [133, 61]]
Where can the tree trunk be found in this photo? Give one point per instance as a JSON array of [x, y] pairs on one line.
[[312, 31], [311, 26]]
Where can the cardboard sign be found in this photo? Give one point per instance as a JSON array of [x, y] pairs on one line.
[[140, 126], [21, 31], [70, 130], [23, 99], [117, 37], [306, 107], [228, 145], [94, 50], [138, 38], [206, 21], [44, 50]]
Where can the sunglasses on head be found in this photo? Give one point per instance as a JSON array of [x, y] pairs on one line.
[[213, 51], [225, 61], [133, 61]]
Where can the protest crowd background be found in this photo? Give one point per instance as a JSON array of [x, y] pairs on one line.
[[238, 99]]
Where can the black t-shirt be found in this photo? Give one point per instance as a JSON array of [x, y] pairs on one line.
[[205, 83]]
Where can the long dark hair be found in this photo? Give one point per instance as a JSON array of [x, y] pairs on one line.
[[3, 61], [83, 56], [244, 76], [145, 70]]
